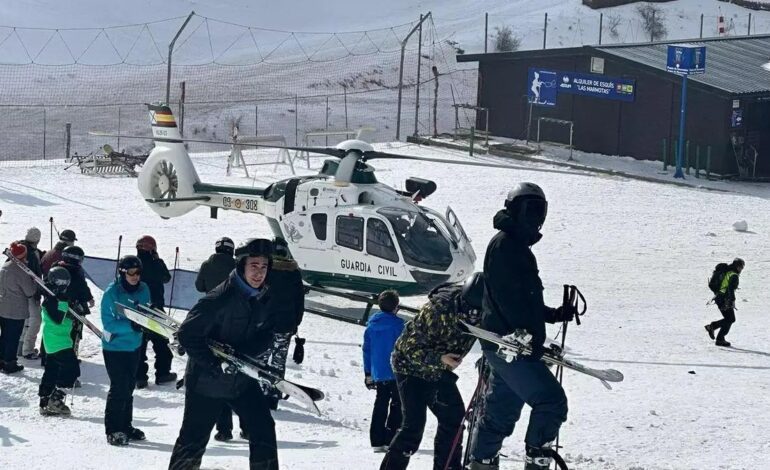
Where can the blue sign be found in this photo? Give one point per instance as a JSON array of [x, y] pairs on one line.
[[737, 118], [542, 87], [686, 59], [598, 86]]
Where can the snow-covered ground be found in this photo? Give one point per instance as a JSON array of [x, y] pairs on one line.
[[641, 253]]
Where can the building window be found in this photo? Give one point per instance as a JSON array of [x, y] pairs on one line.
[[378, 240], [350, 232], [319, 225]]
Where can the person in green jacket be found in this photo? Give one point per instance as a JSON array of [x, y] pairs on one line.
[[61, 366]]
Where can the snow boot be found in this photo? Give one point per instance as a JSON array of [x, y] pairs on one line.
[[12, 368], [43, 404], [540, 458], [135, 434], [117, 439], [141, 384], [33, 356], [395, 460], [165, 378], [485, 464], [223, 436], [710, 330], [722, 342], [56, 405]]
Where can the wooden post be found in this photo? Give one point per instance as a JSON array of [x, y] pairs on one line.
[[665, 155], [67, 139]]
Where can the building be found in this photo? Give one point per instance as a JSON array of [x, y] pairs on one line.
[[728, 107]]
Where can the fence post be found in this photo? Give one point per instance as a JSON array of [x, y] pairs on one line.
[[44, 132], [708, 162], [486, 31], [67, 139], [697, 161], [749, 31], [118, 143], [296, 119], [687, 157], [665, 154], [256, 120], [472, 139], [601, 21], [545, 29], [701, 26], [345, 94], [170, 52], [327, 121], [183, 86], [419, 66]]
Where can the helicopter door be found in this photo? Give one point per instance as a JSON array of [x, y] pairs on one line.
[[455, 225], [290, 196]]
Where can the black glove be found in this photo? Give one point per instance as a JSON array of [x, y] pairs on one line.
[[137, 327], [370, 384], [563, 314], [299, 350], [537, 352]]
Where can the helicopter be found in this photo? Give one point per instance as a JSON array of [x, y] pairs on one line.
[[345, 229]]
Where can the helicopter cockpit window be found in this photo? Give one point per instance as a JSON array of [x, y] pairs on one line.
[[378, 240], [422, 243], [319, 225], [350, 232]]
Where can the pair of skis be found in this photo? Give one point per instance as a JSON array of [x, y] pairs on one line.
[[105, 335], [165, 325]]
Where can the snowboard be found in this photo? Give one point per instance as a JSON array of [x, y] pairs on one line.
[[550, 356]]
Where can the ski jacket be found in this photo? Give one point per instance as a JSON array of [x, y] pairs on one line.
[[214, 271], [513, 291], [16, 288], [433, 332], [234, 314], [33, 257], [154, 274], [382, 331], [126, 337], [52, 257], [287, 295], [78, 291], [729, 285], [57, 325]]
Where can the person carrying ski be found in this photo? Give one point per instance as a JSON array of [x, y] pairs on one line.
[[235, 313], [382, 331], [513, 299], [430, 348], [16, 288], [121, 353], [727, 280], [61, 365], [78, 293]]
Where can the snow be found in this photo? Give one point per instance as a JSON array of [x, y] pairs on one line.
[[641, 252]]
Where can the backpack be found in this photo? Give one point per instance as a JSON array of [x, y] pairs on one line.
[[715, 282]]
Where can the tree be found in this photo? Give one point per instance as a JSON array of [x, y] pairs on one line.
[[652, 21], [505, 41]]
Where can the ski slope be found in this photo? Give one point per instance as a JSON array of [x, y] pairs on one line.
[[640, 252]]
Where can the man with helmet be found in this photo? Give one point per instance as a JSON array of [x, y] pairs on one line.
[[121, 353], [78, 292], [234, 313], [430, 348], [513, 299], [725, 300], [154, 274], [61, 364]]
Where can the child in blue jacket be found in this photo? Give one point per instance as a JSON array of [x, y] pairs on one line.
[[382, 331]]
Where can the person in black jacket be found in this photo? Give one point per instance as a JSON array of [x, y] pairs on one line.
[[78, 292], [154, 274], [234, 313], [725, 300], [513, 299], [287, 305]]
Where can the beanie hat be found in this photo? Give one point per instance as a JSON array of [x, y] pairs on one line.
[[146, 243], [33, 235], [18, 250]]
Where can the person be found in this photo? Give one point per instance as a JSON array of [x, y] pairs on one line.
[[430, 348], [78, 292], [382, 331], [121, 353], [725, 300], [16, 287], [154, 274], [32, 324], [513, 299], [213, 272], [287, 305], [61, 366], [53, 257], [234, 313]]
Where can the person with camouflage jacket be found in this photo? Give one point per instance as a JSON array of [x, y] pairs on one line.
[[430, 348]]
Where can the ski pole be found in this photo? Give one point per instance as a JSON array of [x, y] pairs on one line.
[[50, 224], [117, 260], [173, 280]]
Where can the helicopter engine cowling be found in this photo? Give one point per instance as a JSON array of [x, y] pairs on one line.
[[420, 186]]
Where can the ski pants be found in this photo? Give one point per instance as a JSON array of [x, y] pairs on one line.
[[10, 334], [121, 369], [163, 355], [275, 358], [445, 402], [200, 414], [511, 386], [386, 415], [225, 420], [61, 370], [31, 326], [728, 318]]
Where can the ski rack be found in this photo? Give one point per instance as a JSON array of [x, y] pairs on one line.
[[368, 299]]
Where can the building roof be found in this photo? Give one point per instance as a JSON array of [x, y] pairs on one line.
[[733, 64]]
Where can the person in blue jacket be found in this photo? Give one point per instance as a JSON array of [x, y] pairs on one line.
[[382, 331], [121, 353]]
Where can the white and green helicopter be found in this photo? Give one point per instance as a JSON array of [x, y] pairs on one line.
[[344, 228]]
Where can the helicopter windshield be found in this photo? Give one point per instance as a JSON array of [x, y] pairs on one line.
[[422, 243]]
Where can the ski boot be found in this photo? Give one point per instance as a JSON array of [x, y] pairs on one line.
[[135, 434], [722, 342], [395, 460], [117, 439], [141, 384], [710, 330], [12, 368], [56, 405], [223, 436], [165, 378], [540, 458], [485, 464], [33, 356]]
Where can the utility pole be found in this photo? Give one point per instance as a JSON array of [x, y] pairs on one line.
[[401, 73], [170, 52]]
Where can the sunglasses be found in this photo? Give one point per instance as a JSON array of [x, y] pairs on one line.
[[133, 272]]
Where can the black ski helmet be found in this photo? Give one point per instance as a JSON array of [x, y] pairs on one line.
[[58, 279], [73, 255], [527, 205], [129, 262], [68, 236], [254, 247], [473, 290], [224, 245]]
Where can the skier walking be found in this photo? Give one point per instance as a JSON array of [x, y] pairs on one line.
[[513, 299], [234, 313], [121, 353], [727, 282], [430, 348], [16, 287], [382, 331], [61, 366], [154, 274]]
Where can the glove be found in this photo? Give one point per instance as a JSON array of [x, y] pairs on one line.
[[137, 327], [299, 350], [370, 384], [564, 314]]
